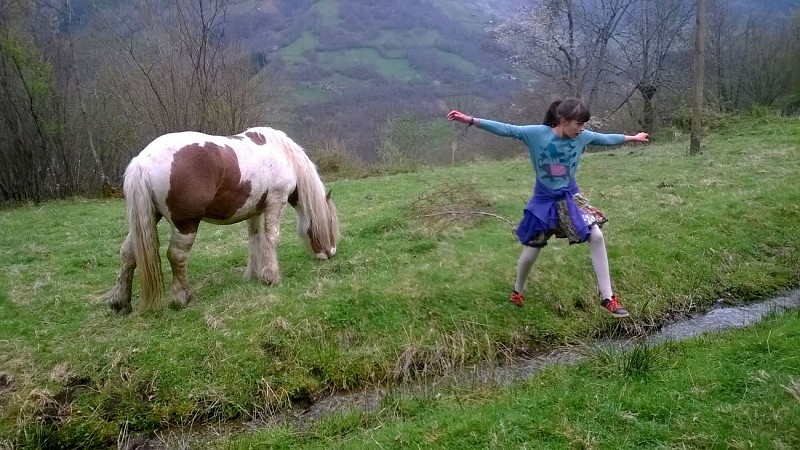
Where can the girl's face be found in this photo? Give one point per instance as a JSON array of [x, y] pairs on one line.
[[572, 128]]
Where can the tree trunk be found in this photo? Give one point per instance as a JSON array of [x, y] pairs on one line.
[[648, 112], [699, 71]]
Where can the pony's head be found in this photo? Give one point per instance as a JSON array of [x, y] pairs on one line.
[[320, 230], [317, 223]]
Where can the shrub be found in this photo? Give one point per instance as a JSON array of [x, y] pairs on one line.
[[333, 160], [712, 119]]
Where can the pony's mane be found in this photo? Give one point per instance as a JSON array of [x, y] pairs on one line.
[[311, 191]]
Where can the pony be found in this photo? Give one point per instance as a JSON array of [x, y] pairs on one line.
[[189, 177]]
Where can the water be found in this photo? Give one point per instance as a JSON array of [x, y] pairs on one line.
[[719, 318], [726, 317]]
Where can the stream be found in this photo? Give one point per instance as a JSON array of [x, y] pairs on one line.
[[718, 318]]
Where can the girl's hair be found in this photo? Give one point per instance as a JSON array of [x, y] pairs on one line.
[[569, 109]]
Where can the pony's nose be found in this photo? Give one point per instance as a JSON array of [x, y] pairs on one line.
[[326, 254]]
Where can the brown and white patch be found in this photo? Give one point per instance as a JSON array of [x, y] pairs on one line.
[[205, 181]]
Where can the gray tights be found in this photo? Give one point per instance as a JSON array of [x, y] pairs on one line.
[[597, 248]]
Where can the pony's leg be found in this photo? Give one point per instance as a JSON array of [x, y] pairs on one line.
[[272, 226], [119, 297], [178, 254], [258, 247]]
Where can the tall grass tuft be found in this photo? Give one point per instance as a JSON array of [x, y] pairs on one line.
[[640, 361]]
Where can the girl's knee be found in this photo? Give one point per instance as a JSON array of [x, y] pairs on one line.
[[596, 234], [529, 254]]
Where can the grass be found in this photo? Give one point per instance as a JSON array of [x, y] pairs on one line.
[[391, 68], [401, 300], [328, 10], [293, 53], [380, 53], [744, 394], [391, 39], [456, 62]]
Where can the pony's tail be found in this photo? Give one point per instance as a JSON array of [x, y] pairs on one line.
[[143, 233]]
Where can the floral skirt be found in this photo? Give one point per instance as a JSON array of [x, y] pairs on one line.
[[565, 227]]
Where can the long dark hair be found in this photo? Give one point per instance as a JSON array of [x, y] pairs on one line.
[[569, 109]]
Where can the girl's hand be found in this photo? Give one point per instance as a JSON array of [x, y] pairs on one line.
[[641, 137], [458, 117]]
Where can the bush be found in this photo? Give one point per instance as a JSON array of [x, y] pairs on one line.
[[409, 140], [790, 105], [333, 160], [712, 119]]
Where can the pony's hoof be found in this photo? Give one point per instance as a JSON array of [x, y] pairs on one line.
[[271, 281], [117, 304], [181, 299], [120, 310], [270, 278]]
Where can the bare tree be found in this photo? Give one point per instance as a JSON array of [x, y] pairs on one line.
[[603, 19], [565, 42], [80, 138], [45, 153], [28, 123], [792, 104], [752, 58], [768, 52], [69, 120], [723, 51], [656, 31], [175, 70]]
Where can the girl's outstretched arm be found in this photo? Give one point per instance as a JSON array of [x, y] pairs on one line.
[[640, 137], [494, 127]]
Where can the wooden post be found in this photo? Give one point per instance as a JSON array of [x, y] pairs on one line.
[[699, 73]]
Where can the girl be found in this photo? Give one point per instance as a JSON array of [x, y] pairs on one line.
[[557, 206]]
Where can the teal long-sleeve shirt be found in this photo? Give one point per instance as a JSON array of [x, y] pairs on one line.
[[555, 159]]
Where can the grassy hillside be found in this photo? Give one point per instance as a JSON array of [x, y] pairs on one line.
[[406, 297], [432, 39], [352, 64], [336, 48]]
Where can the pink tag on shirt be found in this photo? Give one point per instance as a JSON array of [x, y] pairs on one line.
[[558, 170]]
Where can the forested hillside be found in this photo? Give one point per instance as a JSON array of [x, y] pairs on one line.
[[351, 63], [357, 62], [86, 84]]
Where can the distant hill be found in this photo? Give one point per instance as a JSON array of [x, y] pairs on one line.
[[337, 42], [353, 63], [766, 7], [331, 45], [357, 61]]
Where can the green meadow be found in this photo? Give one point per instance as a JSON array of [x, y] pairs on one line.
[[419, 288], [744, 394]]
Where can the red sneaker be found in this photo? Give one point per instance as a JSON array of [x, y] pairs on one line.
[[613, 306], [516, 298]]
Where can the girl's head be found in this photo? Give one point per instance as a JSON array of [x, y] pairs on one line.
[[571, 113]]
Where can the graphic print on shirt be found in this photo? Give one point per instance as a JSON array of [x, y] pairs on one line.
[[557, 161]]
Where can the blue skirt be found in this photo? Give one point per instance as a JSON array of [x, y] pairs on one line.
[[565, 213]]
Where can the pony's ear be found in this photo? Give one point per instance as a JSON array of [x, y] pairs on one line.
[[328, 195]]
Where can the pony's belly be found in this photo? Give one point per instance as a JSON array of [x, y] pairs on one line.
[[220, 212], [236, 218]]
